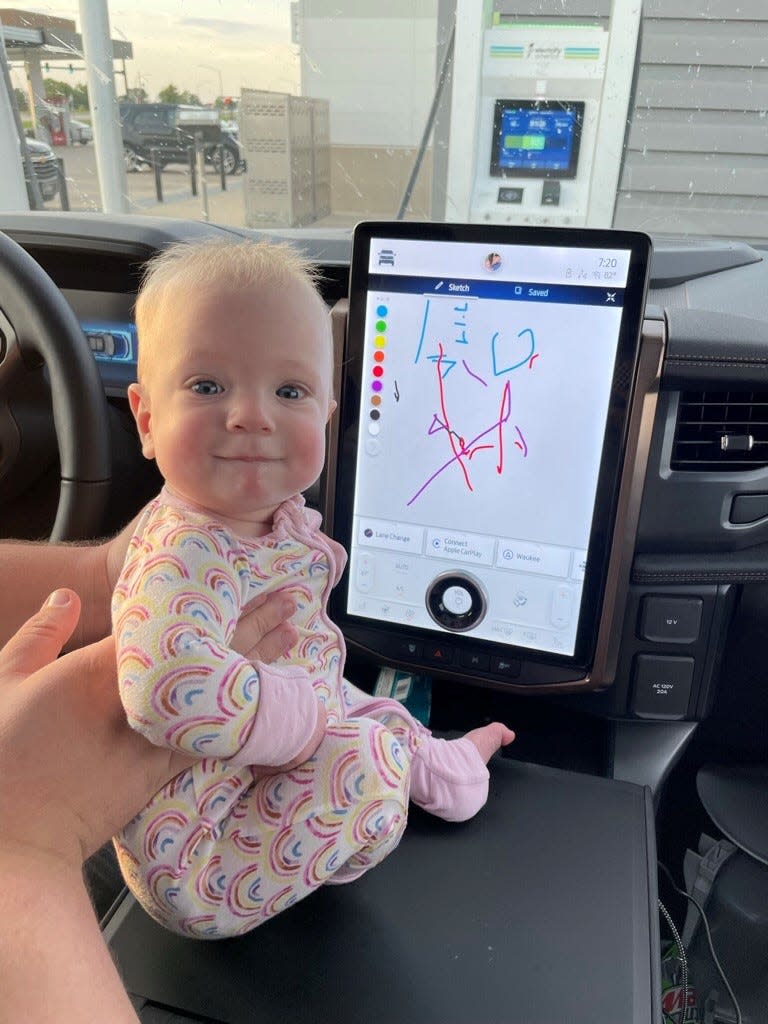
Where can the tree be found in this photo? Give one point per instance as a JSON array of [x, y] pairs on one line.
[[137, 95], [80, 97], [21, 99], [170, 94], [54, 87]]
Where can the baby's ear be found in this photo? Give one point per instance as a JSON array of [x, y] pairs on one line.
[[141, 413], [331, 410]]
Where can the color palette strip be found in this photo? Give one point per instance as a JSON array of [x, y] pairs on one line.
[[377, 371]]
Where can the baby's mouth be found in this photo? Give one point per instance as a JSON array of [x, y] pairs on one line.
[[248, 458]]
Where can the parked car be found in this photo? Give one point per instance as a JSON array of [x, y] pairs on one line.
[[45, 167], [80, 132], [169, 129], [231, 139]]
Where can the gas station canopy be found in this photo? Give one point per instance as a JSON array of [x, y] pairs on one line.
[[48, 36]]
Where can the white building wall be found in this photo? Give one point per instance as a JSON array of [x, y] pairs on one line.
[[696, 151], [376, 67]]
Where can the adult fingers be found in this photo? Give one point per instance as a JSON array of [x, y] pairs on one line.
[[263, 632], [40, 640], [279, 641], [96, 663]]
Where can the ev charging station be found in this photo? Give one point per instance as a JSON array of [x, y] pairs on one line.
[[544, 107]]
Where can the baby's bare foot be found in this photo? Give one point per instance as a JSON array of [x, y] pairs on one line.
[[489, 738]]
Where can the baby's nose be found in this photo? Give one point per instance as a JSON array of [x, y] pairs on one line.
[[250, 412]]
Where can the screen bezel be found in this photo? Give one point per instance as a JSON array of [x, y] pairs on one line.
[[617, 421], [499, 171]]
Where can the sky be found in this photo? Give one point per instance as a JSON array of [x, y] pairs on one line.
[[245, 43]]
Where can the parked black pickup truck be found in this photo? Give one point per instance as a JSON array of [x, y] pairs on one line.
[[170, 129]]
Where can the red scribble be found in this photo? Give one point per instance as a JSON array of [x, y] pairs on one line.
[[479, 448], [519, 445], [531, 360], [473, 444], [457, 454], [504, 411]]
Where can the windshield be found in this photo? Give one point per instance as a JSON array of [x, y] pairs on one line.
[[314, 115]]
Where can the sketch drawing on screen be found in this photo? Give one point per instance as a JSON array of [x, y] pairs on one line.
[[494, 355]]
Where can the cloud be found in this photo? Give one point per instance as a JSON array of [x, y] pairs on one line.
[[224, 27], [250, 43]]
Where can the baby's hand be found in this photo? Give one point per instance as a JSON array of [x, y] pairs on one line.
[[489, 738], [314, 741], [261, 771]]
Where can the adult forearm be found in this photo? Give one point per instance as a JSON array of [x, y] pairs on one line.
[[55, 967], [30, 571]]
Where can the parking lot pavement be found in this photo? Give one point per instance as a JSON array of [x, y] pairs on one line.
[[83, 190], [226, 207]]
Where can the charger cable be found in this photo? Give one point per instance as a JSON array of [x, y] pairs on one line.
[[683, 961], [716, 962]]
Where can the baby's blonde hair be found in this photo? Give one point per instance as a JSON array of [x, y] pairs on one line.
[[190, 267]]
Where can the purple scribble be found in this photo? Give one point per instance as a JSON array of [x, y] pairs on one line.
[[464, 364], [465, 449], [525, 446]]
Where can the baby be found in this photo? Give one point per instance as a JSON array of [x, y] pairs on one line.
[[299, 778]]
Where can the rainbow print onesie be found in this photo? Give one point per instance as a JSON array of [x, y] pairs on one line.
[[223, 847]]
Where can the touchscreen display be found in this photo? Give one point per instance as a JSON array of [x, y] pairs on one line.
[[484, 395], [536, 138]]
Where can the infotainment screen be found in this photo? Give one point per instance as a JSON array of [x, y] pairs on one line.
[[536, 138], [486, 384]]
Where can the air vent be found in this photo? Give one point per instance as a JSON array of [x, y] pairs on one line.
[[724, 431]]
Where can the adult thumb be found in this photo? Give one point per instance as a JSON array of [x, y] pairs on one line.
[[40, 640]]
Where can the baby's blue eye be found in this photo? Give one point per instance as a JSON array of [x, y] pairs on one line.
[[207, 387], [289, 391]]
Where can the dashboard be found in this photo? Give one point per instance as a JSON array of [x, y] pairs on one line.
[[702, 525], [681, 681]]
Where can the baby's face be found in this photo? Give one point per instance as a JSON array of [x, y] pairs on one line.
[[235, 396]]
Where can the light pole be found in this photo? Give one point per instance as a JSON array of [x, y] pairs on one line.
[[143, 82], [124, 73], [210, 67]]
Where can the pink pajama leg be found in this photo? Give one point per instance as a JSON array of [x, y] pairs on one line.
[[330, 819], [448, 777]]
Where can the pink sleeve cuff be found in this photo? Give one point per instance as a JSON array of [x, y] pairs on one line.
[[285, 720], [449, 778]]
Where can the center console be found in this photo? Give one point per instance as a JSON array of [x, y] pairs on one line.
[[540, 909]]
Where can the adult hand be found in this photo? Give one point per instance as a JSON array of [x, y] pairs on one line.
[[72, 771], [264, 632]]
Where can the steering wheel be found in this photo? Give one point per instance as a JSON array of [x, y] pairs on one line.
[[38, 327]]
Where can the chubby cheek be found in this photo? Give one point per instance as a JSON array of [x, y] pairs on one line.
[[309, 453], [178, 448]]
